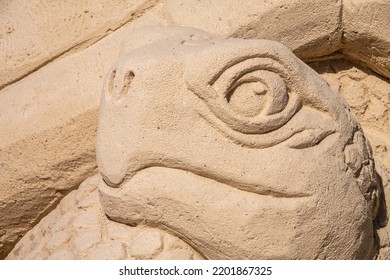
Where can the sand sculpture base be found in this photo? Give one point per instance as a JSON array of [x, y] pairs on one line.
[[79, 229]]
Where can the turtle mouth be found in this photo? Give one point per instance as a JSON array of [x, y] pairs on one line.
[[199, 209], [170, 174], [319, 137]]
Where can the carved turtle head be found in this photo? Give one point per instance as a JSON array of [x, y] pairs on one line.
[[237, 147]]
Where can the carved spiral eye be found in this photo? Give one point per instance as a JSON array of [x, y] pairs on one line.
[[252, 93], [250, 90], [258, 93], [248, 98]]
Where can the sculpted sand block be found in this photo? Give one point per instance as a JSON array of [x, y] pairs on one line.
[[55, 57], [233, 146], [238, 148]]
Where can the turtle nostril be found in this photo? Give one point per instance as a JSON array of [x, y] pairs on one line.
[[119, 83], [111, 84], [110, 183], [127, 79]]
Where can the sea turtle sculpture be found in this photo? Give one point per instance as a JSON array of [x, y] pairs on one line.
[[239, 149], [223, 149]]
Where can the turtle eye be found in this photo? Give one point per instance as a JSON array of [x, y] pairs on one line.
[[251, 96], [248, 98], [257, 93]]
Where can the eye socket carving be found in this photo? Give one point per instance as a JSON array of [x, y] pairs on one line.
[[251, 96], [248, 98], [258, 93]]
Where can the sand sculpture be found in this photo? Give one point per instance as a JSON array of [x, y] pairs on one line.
[[236, 147], [208, 146]]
